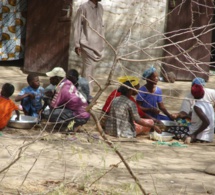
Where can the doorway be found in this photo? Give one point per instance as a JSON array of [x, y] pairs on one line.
[[47, 35]]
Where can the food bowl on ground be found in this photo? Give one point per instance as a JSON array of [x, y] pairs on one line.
[[24, 122], [163, 137]]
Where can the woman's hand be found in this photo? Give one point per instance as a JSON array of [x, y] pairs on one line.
[[172, 117], [175, 115], [158, 122], [157, 129], [154, 111]]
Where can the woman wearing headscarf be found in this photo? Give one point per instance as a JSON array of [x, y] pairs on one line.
[[150, 97], [106, 108], [123, 113], [202, 120], [188, 102], [201, 128], [135, 83]]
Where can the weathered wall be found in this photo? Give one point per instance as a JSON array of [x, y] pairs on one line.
[[131, 26]]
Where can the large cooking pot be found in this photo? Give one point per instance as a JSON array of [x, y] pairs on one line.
[[24, 122]]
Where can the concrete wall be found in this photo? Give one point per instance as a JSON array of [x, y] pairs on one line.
[[130, 25]]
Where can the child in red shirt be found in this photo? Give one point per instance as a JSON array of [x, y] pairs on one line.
[[7, 106]]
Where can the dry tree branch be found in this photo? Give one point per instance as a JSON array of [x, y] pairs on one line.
[[101, 90], [106, 172], [95, 82], [13, 162], [30, 169], [158, 58], [99, 128], [21, 150]]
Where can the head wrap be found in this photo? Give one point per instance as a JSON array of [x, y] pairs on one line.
[[197, 91], [133, 80], [148, 72], [198, 81]]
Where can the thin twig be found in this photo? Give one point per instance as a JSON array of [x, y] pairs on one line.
[[100, 130], [30, 169]]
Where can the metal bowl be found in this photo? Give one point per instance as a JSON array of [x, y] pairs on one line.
[[169, 123], [24, 122], [163, 137], [166, 124]]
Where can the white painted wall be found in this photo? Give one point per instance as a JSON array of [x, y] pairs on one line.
[[130, 25]]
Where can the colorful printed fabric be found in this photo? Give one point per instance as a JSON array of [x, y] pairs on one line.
[[7, 106], [184, 122], [12, 29], [180, 132]]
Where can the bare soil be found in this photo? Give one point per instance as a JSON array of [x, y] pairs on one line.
[[72, 164], [55, 163]]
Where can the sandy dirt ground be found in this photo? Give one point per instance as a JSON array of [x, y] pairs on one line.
[[44, 162], [54, 160]]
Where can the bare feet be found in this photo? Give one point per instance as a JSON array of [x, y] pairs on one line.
[[187, 140]]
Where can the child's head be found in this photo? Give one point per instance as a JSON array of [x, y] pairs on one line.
[[7, 90], [33, 80], [72, 75]]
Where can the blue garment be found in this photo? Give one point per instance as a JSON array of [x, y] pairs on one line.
[[151, 101], [84, 87], [32, 106], [198, 81], [148, 72]]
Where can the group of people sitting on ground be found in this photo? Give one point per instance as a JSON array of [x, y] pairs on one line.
[[123, 116], [198, 108], [67, 97]]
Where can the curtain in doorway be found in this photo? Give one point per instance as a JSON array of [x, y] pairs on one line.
[[12, 29]]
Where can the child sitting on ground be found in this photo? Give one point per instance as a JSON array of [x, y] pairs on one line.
[[31, 96], [7, 106]]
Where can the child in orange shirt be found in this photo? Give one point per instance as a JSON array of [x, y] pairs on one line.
[[7, 106]]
